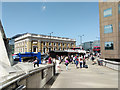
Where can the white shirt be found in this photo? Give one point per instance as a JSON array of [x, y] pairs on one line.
[[57, 63]]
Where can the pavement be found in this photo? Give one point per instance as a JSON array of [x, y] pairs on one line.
[[93, 77]]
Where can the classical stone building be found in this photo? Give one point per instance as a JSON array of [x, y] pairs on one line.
[[109, 16], [42, 43]]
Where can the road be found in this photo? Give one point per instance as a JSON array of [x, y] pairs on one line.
[[93, 77]]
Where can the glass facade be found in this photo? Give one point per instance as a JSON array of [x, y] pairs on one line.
[[108, 12], [119, 8], [109, 46], [108, 28]]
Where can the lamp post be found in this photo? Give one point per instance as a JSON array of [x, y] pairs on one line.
[[98, 39], [81, 38], [50, 39]]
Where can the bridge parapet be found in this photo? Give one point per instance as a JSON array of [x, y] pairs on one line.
[[34, 78], [111, 64]]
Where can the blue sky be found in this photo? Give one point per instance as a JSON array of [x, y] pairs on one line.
[[63, 19]]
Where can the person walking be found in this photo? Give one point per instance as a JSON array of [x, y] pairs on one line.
[[74, 59], [77, 61], [66, 63], [84, 62], [93, 60], [36, 61], [57, 65], [81, 61], [49, 60]]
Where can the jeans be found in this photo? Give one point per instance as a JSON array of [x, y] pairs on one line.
[[80, 64], [74, 61], [35, 64], [66, 67]]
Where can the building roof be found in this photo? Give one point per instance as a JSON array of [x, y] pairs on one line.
[[25, 35]]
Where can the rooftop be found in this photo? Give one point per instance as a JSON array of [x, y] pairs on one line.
[[25, 35]]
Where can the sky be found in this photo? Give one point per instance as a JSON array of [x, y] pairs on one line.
[[64, 19]]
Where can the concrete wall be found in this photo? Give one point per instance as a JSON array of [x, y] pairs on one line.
[[112, 64], [34, 79]]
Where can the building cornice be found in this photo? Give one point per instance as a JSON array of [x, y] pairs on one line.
[[37, 36]]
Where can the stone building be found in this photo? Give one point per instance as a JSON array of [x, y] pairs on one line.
[[109, 16], [42, 43]]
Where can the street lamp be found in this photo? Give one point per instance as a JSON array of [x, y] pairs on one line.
[[50, 39], [81, 38], [98, 39]]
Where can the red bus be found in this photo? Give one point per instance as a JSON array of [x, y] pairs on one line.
[[96, 49]]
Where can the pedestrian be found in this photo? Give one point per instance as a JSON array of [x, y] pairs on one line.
[[49, 60], [44, 62], [84, 62], [62, 58], [57, 65], [86, 56], [54, 61], [81, 61], [66, 63], [77, 61], [36, 61], [93, 60], [74, 59]]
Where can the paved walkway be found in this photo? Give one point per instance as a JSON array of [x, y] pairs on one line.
[[93, 77]]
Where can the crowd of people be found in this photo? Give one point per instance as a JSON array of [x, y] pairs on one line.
[[79, 60]]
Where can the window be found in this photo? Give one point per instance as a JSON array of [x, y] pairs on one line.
[[108, 12], [59, 44], [72, 44], [109, 46], [26, 49], [34, 48], [49, 44], [44, 43], [59, 48], [44, 50], [67, 45], [49, 49], [54, 44], [108, 28], [119, 8], [119, 26], [23, 49]]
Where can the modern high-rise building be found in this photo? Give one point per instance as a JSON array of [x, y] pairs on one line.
[[42, 43], [109, 16]]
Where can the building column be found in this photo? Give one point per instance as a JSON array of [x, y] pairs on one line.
[[24, 46], [57, 45], [52, 46], [61, 46], [29, 46], [47, 47], [39, 45], [74, 45]]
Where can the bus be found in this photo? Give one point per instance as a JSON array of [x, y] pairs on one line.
[[96, 49]]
